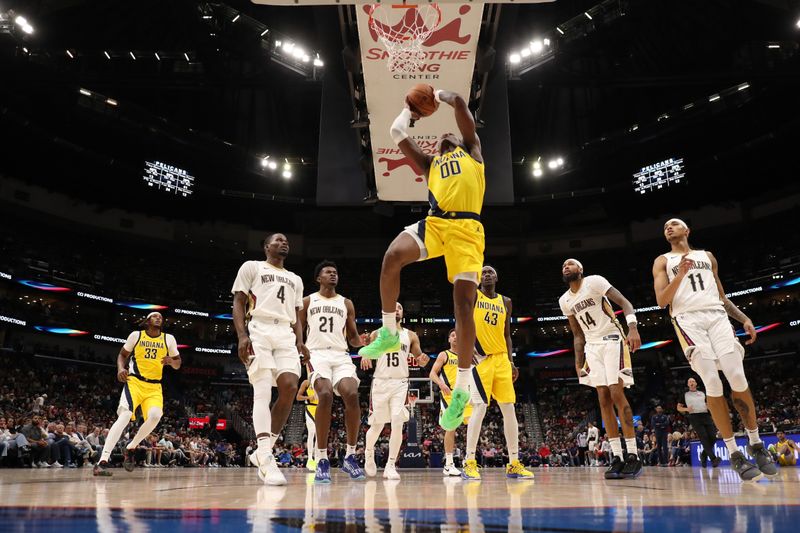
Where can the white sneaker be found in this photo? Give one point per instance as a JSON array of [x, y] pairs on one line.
[[390, 472], [451, 470], [56, 464], [268, 471], [370, 468]]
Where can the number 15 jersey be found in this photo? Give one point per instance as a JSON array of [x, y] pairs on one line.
[[273, 293], [326, 320], [591, 309], [698, 291], [394, 365]]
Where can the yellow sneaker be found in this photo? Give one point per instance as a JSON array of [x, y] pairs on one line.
[[515, 470], [471, 470]]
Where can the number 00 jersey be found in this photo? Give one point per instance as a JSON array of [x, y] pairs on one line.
[[326, 321], [698, 291], [456, 182], [147, 353], [490, 324], [591, 309], [395, 364], [274, 293]]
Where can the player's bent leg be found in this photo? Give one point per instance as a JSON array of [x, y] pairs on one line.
[[464, 294], [287, 384], [616, 463], [514, 468], [347, 388], [123, 419], [633, 465], [373, 434]]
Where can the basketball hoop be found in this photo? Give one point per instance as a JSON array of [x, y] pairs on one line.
[[402, 29]]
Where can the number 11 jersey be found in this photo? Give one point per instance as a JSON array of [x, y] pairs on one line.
[[326, 320], [591, 309], [698, 291]]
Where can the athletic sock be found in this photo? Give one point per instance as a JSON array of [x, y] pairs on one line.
[[463, 378], [731, 445], [448, 459], [351, 450], [319, 455], [390, 321], [630, 444], [616, 446], [752, 434]]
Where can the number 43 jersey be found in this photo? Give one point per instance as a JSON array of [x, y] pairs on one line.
[[326, 319], [273, 293], [698, 291], [591, 309]]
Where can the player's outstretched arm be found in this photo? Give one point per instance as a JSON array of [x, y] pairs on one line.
[[634, 341], [464, 120], [733, 311], [407, 145], [579, 343], [353, 337], [416, 350], [441, 359]]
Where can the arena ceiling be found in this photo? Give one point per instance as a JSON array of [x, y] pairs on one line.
[[613, 99]]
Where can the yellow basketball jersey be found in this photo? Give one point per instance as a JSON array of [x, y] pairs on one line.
[[490, 324], [456, 182], [147, 355], [312, 396], [450, 369]]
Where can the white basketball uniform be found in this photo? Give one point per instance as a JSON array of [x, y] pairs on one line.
[[389, 393], [699, 317], [607, 355], [274, 294], [326, 322]]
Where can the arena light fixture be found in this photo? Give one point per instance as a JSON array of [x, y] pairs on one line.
[[546, 41], [186, 55], [713, 98], [588, 16], [797, 24], [318, 62], [85, 92], [265, 161], [105, 53], [263, 33], [514, 58], [773, 46], [525, 52], [133, 56], [287, 174], [537, 47], [237, 17], [272, 165], [111, 101], [158, 57], [537, 173], [744, 86], [559, 30], [552, 164], [69, 54], [298, 52]]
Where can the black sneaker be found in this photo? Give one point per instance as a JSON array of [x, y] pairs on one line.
[[127, 461], [746, 470], [615, 469], [763, 459], [633, 467], [715, 461], [101, 469]]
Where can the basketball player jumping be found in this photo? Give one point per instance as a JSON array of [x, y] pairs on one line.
[[603, 357], [443, 374], [687, 281], [452, 229], [266, 298], [306, 394], [496, 375], [330, 322], [140, 365], [388, 397]]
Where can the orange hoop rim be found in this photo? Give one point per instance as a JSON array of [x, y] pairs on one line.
[[402, 38]]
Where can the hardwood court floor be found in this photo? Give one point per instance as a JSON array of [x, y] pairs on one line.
[[578, 499]]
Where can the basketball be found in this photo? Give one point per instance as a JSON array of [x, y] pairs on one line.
[[420, 99]]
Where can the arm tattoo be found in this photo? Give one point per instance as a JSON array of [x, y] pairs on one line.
[[733, 311]]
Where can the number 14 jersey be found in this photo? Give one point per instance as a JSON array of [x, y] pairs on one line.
[[326, 319], [591, 309], [698, 291]]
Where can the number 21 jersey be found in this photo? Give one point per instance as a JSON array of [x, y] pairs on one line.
[[326, 320], [698, 291], [273, 293], [591, 309]]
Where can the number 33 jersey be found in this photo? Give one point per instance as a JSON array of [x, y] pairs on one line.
[[591, 309], [147, 353], [273, 293], [698, 291], [326, 321]]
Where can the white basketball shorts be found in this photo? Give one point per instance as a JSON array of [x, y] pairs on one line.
[[274, 350], [706, 334], [608, 362], [388, 398], [332, 365]]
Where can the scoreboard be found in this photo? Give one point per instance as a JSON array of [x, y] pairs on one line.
[[168, 178], [659, 175]]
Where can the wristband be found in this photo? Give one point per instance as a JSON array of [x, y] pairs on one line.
[[436, 94], [631, 319]]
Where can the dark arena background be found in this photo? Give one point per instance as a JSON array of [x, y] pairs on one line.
[[148, 148]]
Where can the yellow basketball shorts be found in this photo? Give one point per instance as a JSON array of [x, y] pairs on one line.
[[140, 395], [787, 460], [495, 379], [460, 241]]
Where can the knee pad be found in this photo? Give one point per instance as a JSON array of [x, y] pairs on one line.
[[262, 389], [734, 372], [124, 414], [713, 384]]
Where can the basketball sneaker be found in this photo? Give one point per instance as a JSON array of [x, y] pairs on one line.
[[385, 342], [515, 470], [763, 459], [451, 470], [453, 416], [390, 472], [350, 466], [614, 470], [311, 464], [370, 467], [471, 470], [323, 474], [633, 466], [746, 470], [268, 471], [127, 459], [101, 469]]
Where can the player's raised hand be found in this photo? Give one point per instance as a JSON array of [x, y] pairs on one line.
[[366, 363], [422, 359], [685, 265], [750, 330], [122, 376], [245, 350], [633, 340], [414, 115]]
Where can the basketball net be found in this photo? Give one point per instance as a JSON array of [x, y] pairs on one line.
[[402, 29], [412, 402]]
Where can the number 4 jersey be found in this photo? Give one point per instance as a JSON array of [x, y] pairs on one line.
[[698, 291], [326, 320], [591, 309], [273, 293]]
